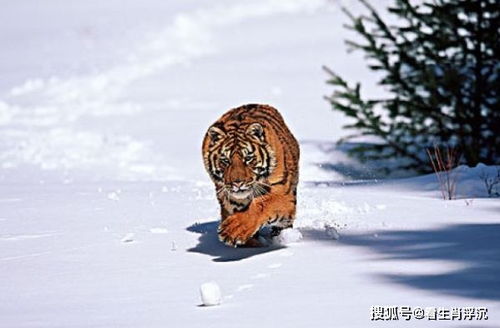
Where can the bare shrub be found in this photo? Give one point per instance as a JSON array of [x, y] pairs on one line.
[[490, 182], [443, 167]]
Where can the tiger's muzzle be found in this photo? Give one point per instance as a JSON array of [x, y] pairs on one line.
[[240, 189]]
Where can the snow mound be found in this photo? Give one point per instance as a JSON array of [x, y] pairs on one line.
[[210, 294]]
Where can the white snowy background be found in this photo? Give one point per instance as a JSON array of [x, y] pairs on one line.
[[107, 218]]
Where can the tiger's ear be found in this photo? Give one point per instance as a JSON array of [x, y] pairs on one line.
[[215, 134], [256, 130]]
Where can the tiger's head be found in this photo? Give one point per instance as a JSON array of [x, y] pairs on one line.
[[238, 159]]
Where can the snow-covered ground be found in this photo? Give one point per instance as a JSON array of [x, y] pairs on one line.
[[107, 218]]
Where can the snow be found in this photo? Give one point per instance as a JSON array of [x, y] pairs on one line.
[[128, 238], [210, 293], [107, 217], [288, 236], [332, 232]]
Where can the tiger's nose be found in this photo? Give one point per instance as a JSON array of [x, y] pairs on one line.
[[238, 185]]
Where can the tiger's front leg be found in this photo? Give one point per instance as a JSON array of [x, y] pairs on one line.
[[240, 227]]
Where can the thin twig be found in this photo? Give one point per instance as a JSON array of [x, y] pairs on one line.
[[444, 169]]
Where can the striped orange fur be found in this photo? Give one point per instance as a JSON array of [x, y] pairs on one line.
[[253, 160]]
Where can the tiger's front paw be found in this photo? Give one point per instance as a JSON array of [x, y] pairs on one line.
[[236, 230]]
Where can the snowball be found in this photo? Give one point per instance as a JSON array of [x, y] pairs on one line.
[[210, 293], [288, 236], [331, 232]]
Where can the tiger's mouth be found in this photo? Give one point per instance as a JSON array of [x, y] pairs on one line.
[[240, 192]]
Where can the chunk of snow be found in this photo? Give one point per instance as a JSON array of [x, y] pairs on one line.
[[331, 232], [210, 294], [129, 237], [288, 236], [113, 196]]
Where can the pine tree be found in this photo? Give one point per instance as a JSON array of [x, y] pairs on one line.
[[440, 66]]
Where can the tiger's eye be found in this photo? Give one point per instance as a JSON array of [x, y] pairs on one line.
[[249, 158], [263, 171]]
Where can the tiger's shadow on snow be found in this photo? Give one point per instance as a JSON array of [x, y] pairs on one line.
[[209, 244]]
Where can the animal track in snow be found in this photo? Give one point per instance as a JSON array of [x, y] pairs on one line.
[[260, 276], [244, 287], [274, 265], [158, 230], [26, 236], [286, 253]]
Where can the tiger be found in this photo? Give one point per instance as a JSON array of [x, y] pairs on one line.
[[253, 160]]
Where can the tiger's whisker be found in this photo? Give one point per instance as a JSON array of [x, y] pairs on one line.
[[223, 189]]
